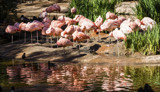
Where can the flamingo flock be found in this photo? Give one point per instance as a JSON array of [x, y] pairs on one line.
[[118, 26]]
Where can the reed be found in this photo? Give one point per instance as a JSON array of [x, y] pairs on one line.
[[145, 42], [148, 8], [93, 8]]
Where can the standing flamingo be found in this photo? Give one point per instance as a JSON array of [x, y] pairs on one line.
[[50, 32], [64, 42], [17, 25], [98, 23], [11, 30], [79, 37], [22, 26], [117, 34]]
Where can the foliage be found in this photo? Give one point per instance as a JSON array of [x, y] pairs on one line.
[[142, 75], [145, 42], [7, 7], [149, 8], [93, 8]]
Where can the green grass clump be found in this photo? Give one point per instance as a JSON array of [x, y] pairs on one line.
[[148, 8], [93, 8], [145, 42]]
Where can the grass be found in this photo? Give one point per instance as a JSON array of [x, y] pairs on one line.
[[144, 42], [93, 8], [148, 8]]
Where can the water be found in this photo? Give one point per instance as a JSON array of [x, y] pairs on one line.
[[71, 77]]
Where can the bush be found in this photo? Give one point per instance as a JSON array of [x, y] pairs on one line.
[[144, 42], [148, 8], [93, 8]]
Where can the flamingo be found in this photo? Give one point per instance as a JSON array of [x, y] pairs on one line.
[[58, 32], [11, 30], [98, 23], [30, 27], [43, 14], [109, 25], [79, 36], [110, 15], [22, 26], [53, 8], [50, 31], [38, 26], [67, 20], [73, 10], [117, 34], [147, 22], [64, 42], [17, 25]]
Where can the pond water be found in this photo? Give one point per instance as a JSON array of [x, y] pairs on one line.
[[71, 77]]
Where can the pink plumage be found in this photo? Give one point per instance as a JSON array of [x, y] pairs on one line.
[[64, 42], [11, 29]]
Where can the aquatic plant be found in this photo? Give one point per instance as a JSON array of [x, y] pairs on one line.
[[93, 8], [148, 8], [145, 42]]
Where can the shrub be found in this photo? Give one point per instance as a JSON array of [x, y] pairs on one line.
[[93, 8], [149, 8], [144, 42]]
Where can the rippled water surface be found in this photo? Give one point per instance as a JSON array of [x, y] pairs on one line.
[[71, 77]]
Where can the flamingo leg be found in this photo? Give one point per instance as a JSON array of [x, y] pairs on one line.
[[19, 35], [117, 48], [51, 41], [37, 36], [79, 48], [31, 37], [64, 50], [98, 36], [12, 38], [57, 40], [25, 37]]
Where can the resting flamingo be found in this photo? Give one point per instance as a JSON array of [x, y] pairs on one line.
[[64, 42], [79, 37], [117, 34], [22, 26], [98, 23], [11, 30]]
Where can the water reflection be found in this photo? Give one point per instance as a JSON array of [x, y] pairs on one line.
[[73, 77]]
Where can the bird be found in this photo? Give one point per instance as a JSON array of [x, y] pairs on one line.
[[64, 42], [24, 56], [117, 34], [98, 23], [54, 18], [24, 19], [79, 37], [147, 88], [110, 15], [73, 10], [22, 26], [11, 30]]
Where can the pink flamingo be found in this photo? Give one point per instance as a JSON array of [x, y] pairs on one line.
[[22, 26], [30, 27], [147, 22], [64, 42], [117, 34], [73, 10], [50, 31], [11, 30], [98, 23], [110, 15], [78, 37], [38, 26], [17, 25]]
